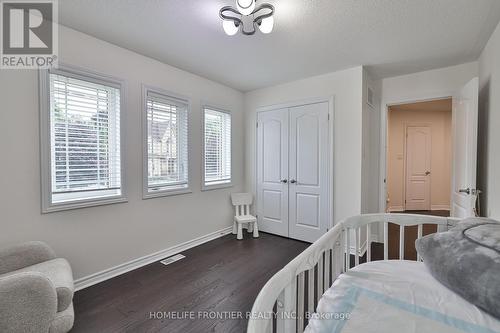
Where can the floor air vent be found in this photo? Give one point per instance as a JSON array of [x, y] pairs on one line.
[[172, 259]]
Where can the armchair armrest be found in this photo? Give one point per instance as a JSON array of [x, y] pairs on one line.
[[23, 255], [28, 303]]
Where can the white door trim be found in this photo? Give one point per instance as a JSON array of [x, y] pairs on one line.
[[331, 132]]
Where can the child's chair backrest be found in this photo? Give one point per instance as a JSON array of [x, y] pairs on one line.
[[241, 203]]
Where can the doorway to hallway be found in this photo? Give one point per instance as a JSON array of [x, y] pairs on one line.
[[419, 159]]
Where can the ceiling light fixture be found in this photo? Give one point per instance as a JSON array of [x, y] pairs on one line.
[[232, 18]]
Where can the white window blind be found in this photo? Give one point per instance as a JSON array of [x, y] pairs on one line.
[[84, 140], [167, 143], [217, 147]]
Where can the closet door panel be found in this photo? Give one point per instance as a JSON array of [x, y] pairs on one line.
[[308, 171], [272, 171]]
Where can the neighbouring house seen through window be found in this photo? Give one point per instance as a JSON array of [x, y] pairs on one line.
[[167, 144], [84, 140], [217, 148]]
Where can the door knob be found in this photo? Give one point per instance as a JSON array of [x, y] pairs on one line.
[[293, 181], [427, 173], [284, 181], [464, 190], [473, 191]]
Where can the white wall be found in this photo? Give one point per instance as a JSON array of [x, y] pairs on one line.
[[431, 84], [97, 238], [489, 122], [346, 87], [420, 86]]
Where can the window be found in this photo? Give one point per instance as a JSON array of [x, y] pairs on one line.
[[217, 148], [81, 155], [166, 145]]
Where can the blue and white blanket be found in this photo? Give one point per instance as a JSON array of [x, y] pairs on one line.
[[396, 297]]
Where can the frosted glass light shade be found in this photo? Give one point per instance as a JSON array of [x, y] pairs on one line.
[[245, 7], [267, 25], [229, 27]]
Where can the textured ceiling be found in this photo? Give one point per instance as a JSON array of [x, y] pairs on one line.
[[310, 37]]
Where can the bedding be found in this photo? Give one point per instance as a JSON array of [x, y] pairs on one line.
[[396, 296], [466, 259]]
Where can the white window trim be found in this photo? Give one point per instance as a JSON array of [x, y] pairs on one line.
[[168, 95], [205, 187], [45, 153]]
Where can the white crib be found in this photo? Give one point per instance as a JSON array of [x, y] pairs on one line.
[[300, 284]]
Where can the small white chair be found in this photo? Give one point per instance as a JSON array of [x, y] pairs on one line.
[[241, 203]]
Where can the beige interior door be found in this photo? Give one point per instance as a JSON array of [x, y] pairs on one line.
[[418, 168]]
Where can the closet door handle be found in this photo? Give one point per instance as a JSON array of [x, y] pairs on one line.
[[292, 181], [284, 181]]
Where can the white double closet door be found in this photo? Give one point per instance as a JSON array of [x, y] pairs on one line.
[[292, 171]]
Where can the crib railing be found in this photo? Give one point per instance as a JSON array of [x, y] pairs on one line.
[[291, 295], [353, 227]]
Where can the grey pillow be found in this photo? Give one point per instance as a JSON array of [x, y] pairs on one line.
[[466, 259]]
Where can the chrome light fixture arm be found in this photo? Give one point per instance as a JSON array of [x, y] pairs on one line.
[[264, 6], [237, 20], [226, 14]]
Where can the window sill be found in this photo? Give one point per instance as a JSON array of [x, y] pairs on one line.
[[165, 193], [216, 186], [82, 204]]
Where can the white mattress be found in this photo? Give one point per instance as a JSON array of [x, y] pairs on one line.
[[396, 296]]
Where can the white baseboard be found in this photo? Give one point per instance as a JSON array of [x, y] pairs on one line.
[[109, 273], [396, 209], [440, 207]]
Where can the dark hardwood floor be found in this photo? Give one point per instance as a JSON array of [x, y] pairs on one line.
[[221, 275], [411, 234]]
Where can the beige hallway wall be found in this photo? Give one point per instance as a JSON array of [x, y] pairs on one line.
[[440, 123]]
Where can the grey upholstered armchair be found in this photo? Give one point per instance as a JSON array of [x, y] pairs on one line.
[[36, 290]]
